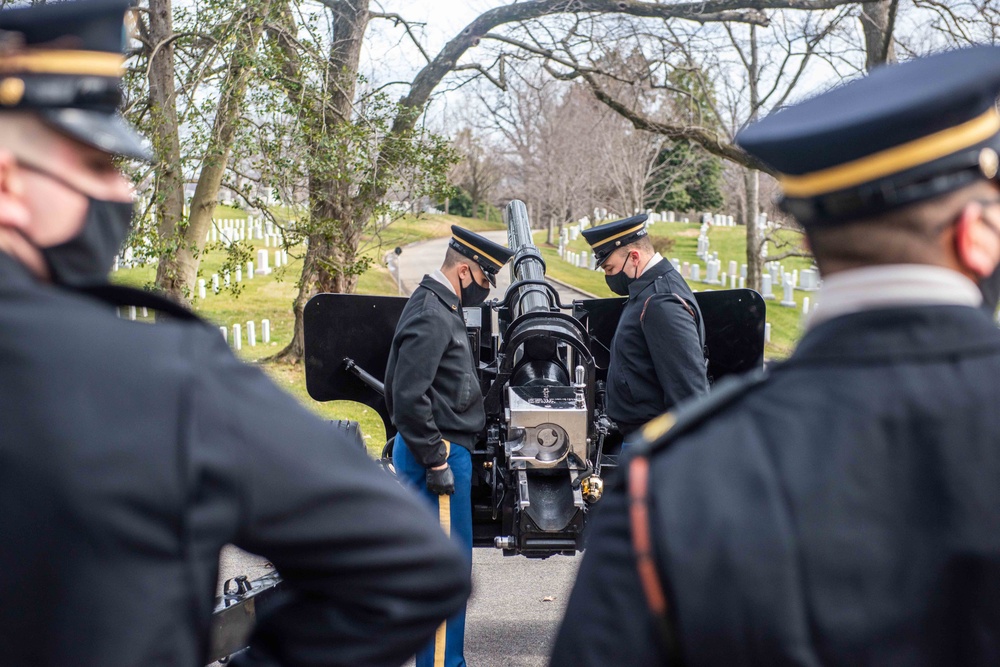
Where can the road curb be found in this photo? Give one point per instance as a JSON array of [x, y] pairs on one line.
[[573, 287]]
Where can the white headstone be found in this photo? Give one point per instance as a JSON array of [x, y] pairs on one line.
[[724, 280], [743, 271], [284, 258], [805, 305], [225, 333], [767, 332], [239, 274], [250, 270], [809, 280], [686, 270], [251, 334], [732, 281], [145, 311], [215, 283], [277, 258], [131, 311], [225, 278], [262, 269], [265, 331], [237, 337], [789, 300], [732, 267], [743, 282], [696, 273], [765, 286]]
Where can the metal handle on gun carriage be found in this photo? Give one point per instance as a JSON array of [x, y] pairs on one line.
[[363, 375]]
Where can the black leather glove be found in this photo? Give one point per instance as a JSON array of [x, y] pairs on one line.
[[441, 482]]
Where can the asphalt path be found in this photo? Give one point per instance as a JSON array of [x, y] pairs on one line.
[[517, 602], [422, 258]]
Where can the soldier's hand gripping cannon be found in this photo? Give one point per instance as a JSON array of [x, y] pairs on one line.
[[539, 463]]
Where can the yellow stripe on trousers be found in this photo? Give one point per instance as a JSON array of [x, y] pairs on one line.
[[444, 515]]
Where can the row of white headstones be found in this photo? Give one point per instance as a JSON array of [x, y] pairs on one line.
[[251, 334], [262, 269]]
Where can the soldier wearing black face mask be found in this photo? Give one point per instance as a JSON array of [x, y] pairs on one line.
[[433, 394], [130, 453], [658, 352]]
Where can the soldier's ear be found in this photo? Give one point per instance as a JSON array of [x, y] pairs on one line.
[[977, 239], [14, 212]]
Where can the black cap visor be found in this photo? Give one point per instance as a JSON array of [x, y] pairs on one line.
[[105, 132]]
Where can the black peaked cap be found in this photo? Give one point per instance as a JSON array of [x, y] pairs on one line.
[[489, 255], [903, 134], [606, 238], [64, 61]]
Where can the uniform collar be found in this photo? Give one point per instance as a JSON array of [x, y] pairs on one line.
[[648, 275], [894, 285], [653, 261], [439, 276], [446, 294]]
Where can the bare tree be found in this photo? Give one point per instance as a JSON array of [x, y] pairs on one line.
[[479, 169]]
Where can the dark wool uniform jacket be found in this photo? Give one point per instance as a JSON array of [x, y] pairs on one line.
[[431, 387], [131, 453], [844, 512], [658, 351]]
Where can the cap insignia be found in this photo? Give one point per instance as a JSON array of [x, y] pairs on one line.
[[989, 162], [11, 91]]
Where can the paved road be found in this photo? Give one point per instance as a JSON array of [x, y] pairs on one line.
[[517, 602], [421, 258], [514, 611]]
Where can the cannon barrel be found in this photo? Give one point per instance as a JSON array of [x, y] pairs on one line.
[[527, 263]]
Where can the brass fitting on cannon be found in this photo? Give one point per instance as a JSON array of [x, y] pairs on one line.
[[592, 489]]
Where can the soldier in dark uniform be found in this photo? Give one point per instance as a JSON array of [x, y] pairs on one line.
[[433, 394], [658, 352], [843, 509], [131, 453]]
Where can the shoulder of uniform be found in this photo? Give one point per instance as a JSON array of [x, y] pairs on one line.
[[661, 432]]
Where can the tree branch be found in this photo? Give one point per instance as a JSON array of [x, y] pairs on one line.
[[396, 21], [711, 141]]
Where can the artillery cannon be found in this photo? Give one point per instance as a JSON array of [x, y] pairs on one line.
[[542, 364], [540, 462]]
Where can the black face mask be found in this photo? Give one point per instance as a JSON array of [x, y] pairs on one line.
[[87, 258], [989, 286], [619, 282], [473, 294], [990, 289]]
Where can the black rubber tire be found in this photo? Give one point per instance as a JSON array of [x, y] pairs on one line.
[[386, 459], [350, 431]]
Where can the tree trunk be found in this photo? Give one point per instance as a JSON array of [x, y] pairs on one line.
[[878, 20], [182, 267], [168, 187], [751, 178], [755, 263], [331, 202]]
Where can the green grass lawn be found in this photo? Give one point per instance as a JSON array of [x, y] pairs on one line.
[[271, 297], [730, 243]]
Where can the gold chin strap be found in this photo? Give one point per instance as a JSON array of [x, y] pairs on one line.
[[94, 63]]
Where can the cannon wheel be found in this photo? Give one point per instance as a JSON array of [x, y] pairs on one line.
[[386, 459], [351, 431]]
